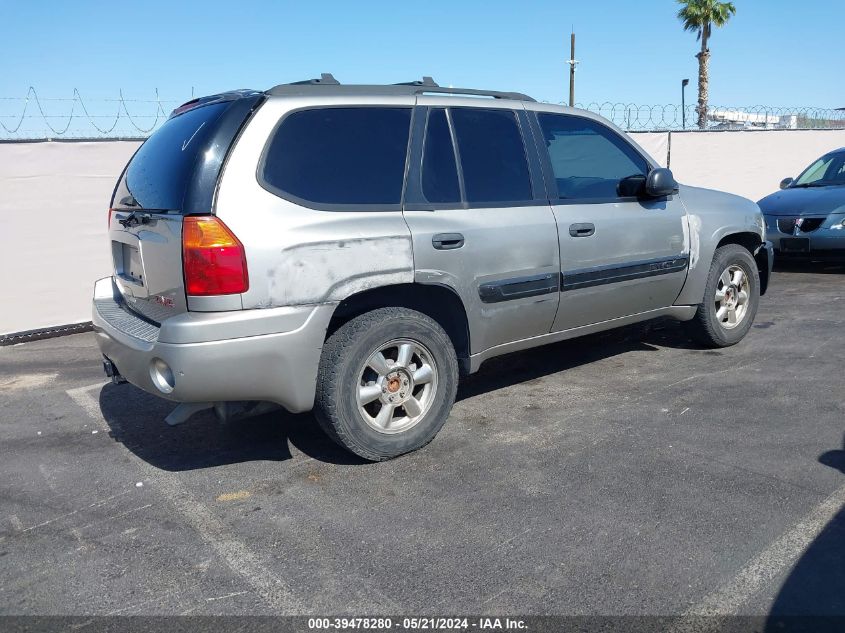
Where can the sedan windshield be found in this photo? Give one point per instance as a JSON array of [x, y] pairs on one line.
[[828, 170]]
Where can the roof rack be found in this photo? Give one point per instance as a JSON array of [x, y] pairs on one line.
[[326, 79], [327, 84]]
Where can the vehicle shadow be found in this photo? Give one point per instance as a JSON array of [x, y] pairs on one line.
[[812, 598], [136, 418], [535, 363]]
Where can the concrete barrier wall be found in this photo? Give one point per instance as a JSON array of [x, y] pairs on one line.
[[54, 198]]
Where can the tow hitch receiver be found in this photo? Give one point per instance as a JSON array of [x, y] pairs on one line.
[[112, 372]]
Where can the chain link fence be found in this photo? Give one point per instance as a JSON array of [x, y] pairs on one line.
[[33, 117]]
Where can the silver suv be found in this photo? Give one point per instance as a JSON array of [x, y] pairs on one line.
[[354, 249]]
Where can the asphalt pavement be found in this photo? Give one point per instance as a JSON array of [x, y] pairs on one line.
[[629, 472]]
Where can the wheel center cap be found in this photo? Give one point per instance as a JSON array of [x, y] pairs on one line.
[[397, 387]]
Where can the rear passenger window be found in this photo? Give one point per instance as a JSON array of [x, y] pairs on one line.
[[439, 171], [492, 155], [588, 159], [339, 155]]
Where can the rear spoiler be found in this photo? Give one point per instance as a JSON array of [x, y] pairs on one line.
[[218, 98]]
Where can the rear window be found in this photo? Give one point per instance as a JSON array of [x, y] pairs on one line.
[[159, 173], [339, 156]]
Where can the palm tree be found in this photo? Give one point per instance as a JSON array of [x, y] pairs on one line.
[[700, 16]]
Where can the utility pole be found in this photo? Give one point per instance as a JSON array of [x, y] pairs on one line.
[[684, 84], [572, 63]]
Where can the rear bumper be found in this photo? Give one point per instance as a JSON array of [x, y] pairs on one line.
[[269, 355]]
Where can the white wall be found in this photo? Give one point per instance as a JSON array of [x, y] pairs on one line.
[[750, 164], [54, 198], [656, 144]]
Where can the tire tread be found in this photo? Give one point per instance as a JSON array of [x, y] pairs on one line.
[[703, 328], [338, 346]]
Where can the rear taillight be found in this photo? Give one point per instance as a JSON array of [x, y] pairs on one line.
[[108, 226], [213, 259]]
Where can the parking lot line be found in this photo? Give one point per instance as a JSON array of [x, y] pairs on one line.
[[83, 398], [237, 556], [761, 570]]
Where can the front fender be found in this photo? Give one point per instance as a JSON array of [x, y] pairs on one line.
[[711, 217]]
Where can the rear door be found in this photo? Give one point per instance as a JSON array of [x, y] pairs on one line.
[[480, 220], [172, 174], [621, 254]]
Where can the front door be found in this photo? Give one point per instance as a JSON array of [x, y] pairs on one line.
[[480, 220], [621, 254]]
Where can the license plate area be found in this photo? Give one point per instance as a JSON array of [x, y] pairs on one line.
[[795, 244], [128, 263]]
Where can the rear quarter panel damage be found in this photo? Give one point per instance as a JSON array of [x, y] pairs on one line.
[[330, 271], [298, 255]]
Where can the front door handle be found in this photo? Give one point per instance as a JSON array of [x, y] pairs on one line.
[[584, 229], [447, 241]]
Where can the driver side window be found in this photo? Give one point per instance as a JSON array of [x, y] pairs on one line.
[[588, 159]]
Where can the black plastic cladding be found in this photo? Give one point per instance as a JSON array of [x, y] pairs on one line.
[[200, 192]]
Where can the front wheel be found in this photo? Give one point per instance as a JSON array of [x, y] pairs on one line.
[[730, 299], [386, 383]]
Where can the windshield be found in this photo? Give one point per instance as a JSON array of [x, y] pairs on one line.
[[828, 170]]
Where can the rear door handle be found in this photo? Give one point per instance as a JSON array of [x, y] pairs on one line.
[[447, 241], [585, 229]]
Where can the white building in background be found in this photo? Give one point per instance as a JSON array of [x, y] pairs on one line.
[[736, 119]]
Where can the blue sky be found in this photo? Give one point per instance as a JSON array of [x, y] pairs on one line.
[[771, 53]]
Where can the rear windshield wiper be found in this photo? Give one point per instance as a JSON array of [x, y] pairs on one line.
[[134, 219]]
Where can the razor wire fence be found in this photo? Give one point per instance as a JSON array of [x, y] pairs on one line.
[[663, 118], [33, 117]]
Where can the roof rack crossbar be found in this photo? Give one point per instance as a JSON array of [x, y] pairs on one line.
[[426, 81], [326, 79]]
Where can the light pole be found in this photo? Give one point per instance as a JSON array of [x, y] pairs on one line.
[[684, 84], [572, 64]]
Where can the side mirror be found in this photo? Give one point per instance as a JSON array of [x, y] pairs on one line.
[[660, 183], [785, 183]]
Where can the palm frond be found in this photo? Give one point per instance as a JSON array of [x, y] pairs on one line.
[[698, 15]]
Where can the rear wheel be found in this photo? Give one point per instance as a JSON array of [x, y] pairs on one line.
[[730, 299], [386, 383]]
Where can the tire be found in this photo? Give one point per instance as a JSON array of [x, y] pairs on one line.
[[347, 371], [711, 326]]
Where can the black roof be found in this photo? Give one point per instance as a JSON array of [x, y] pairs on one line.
[[328, 85]]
